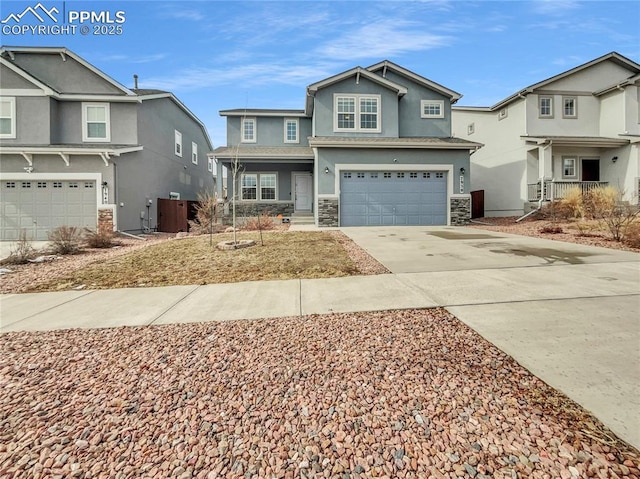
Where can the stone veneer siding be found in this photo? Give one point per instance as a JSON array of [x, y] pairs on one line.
[[105, 221], [256, 209], [328, 212], [460, 211]]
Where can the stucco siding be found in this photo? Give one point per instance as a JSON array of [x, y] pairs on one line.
[[591, 79], [66, 76], [10, 80], [324, 108], [501, 166], [585, 124], [269, 131], [32, 121], [612, 122], [410, 122]]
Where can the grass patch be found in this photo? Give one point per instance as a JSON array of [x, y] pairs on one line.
[[285, 255]]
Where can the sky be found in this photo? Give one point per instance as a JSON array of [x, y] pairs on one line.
[[218, 55]]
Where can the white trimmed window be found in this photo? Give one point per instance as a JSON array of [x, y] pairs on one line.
[[263, 186], [569, 107], [432, 109], [502, 114], [249, 130], [194, 153], [210, 164], [268, 187], [7, 117], [178, 144], [545, 106], [96, 122], [569, 168], [357, 113], [291, 130], [471, 128], [249, 187]]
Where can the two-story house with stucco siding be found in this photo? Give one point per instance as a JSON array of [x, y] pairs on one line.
[[580, 128], [372, 146], [77, 146]]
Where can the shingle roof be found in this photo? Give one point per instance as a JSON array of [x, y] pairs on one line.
[[269, 152], [382, 142]]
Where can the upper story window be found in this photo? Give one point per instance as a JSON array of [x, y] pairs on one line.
[[291, 130], [178, 144], [96, 122], [432, 109], [7, 117], [357, 113], [194, 153], [249, 130], [502, 114], [545, 107], [569, 107]]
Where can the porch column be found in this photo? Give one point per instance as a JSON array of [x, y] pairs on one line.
[[219, 179], [545, 161]]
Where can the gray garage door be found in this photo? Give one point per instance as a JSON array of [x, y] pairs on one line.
[[393, 198], [40, 206]]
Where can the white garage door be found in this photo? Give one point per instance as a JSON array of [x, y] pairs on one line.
[[40, 206], [393, 198]]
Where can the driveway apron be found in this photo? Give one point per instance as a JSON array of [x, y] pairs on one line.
[[569, 313]]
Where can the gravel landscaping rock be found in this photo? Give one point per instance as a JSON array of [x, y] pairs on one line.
[[318, 396]]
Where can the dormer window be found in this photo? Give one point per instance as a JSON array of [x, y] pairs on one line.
[[357, 113], [432, 109]]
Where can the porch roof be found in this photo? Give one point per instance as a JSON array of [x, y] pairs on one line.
[[382, 142], [593, 141], [264, 152]]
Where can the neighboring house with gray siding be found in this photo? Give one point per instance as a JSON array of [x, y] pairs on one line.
[[76, 145], [373, 146], [580, 128]]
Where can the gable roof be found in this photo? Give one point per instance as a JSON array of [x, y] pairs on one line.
[[615, 57], [386, 65], [357, 72], [63, 52], [262, 112]]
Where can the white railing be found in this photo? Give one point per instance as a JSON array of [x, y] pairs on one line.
[[555, 190]]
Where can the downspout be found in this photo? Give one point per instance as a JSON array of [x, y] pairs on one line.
[[542, 191]]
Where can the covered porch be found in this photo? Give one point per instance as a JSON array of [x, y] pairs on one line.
[[557, 165]]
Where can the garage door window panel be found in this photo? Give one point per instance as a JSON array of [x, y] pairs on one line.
[[96, 120]]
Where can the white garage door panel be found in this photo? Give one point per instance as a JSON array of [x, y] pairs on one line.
[[41, 206], [393, 198]]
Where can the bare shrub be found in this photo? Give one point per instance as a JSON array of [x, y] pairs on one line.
[[632, 235], [551, 229], [557, 210], [207, 214], [22, 251], [262, 222], [65, 239], [572, 203], [606, 205], [98, 239]]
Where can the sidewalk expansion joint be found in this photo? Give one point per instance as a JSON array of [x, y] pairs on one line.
[[86, 293], [539, 300], [175, 303]]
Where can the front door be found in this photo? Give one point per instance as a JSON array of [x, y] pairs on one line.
[[590, 170], [303, 192]]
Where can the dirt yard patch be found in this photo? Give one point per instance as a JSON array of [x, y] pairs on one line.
[[588, 233], [403, 394], [192, 260]]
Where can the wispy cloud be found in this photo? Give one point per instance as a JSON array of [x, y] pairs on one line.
[[133, 59], [383, 39], [249, 75], [554, 7]]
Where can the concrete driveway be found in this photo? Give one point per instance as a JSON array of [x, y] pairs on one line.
[[568, 313]]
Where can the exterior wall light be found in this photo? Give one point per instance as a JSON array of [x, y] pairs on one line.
[[326, 170], [614, 159], [462, 170]]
